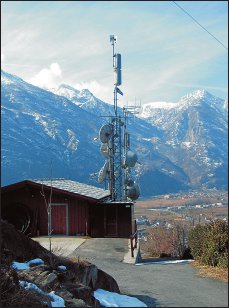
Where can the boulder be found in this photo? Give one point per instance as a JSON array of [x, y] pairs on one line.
[[75, 302], [106, 282], [48, 281], [85, 293]]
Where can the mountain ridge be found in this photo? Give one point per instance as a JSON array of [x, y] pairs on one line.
[[179, 149]]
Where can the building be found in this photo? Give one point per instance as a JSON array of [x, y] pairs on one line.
[[76, 209]]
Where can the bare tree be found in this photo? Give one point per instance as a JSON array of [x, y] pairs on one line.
[[48, 205], [168, 242]]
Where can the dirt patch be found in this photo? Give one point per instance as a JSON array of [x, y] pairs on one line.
[[211, 272]]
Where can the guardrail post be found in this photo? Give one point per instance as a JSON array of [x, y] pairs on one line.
[[131, 246], [134, 238]]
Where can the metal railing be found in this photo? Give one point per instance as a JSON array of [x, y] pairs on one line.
[[134, 240]]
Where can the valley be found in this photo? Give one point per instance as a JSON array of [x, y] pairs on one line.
[[186, 209]]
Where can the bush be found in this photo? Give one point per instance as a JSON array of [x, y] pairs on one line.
[[223, 260], [209, 243], [196, 241]]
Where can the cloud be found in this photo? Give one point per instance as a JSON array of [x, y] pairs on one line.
[[201, 86], [95, 87], [3, 57], [48, 78], [161, 47]]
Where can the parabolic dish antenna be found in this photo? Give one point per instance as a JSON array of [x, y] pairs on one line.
[[105, 133], [103, 172], [131, 159], [129, 182], [104, 150], [133, 192]]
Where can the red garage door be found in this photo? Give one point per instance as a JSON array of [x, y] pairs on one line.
[[59, 219]]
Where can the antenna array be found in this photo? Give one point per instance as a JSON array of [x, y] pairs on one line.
[[116, 144]]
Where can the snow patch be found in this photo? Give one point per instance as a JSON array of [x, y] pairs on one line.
[[30, 286], [111, 299], [160, 105], [6, 80], [26, 265], [56, 301], [19, 266], [187, 144], [73, 141], [62, 267], [166, 262]]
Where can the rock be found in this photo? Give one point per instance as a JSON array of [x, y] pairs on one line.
[[90, 276], [40, 274], [66, 295], [41, 267], [106, 282], [75, 302], [36, 276], [49, 280], [43, 279], [80, 291]]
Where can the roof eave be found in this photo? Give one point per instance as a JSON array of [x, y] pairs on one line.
[[25, 183]]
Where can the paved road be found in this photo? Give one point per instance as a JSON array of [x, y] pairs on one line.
[[173, 285]]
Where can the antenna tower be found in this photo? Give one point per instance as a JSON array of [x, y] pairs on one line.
[[116, 144]]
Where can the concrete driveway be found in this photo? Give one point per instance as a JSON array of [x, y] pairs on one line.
[[61, 245]]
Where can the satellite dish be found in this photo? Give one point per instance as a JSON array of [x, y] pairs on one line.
[[105, 133], [131, 159], [133, 192], [103, 172], [129, 182], [104, 150]]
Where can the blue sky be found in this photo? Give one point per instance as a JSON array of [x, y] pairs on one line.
[[165, 54]]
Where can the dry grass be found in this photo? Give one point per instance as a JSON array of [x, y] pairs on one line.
[[211, 272], [23, 298]]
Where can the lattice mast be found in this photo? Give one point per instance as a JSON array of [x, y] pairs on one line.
[[116, 175], [116, 145]]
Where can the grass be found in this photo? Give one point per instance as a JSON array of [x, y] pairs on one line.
[[211, 272]]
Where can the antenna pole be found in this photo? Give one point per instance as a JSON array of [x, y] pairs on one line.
[[116, 170], [116, 142]]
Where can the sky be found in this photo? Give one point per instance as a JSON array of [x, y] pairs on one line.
[[165, 54]]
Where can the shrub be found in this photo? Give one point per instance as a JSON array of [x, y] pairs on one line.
[[196, 241], [223, 260], [209, 243]]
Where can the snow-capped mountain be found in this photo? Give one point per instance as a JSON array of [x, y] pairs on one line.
[[39, 127], [195, 135], [179, 145], [84, 99]]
